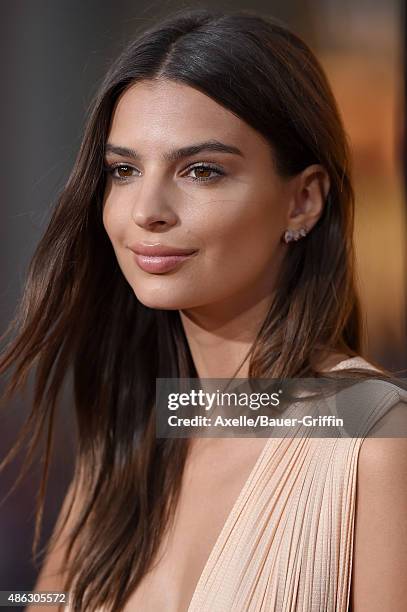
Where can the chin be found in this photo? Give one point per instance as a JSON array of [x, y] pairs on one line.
[[163, 300]]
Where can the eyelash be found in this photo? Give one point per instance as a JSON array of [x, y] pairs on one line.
[[110, 168]]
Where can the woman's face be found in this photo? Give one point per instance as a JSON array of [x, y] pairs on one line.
[[228, 206]]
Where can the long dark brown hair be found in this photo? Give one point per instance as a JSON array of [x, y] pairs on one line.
[[78, 314]]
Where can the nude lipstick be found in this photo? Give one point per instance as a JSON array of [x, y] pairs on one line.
[[159, 258]]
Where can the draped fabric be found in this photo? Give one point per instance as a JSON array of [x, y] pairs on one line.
[[287, 544]]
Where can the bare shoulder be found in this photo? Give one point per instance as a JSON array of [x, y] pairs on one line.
[[382, 467], [380, 542]]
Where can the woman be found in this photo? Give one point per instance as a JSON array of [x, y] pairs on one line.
[[206, 231]]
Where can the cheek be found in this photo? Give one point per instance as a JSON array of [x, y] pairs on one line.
[[245, 233], [243, 247], [113, 220]]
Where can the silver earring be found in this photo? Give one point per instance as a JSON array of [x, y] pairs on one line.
[[291, 235]]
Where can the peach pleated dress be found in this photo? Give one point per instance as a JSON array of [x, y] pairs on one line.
[[287, 543], [286, 546]]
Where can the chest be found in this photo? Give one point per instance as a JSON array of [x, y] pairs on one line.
[[214, 476]]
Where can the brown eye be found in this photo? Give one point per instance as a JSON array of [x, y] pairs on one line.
[[205, 172], [120, 172], [202, 172], [124, 171]]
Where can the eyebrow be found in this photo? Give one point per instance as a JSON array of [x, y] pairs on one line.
[[177, 154]]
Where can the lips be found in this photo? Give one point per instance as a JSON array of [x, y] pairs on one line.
[[159, 258], [159, 250]]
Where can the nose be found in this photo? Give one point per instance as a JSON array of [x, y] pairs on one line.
[[152, 209]]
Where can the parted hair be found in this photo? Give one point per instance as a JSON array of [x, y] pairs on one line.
[[78, 313]]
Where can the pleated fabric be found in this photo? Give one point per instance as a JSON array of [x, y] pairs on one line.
[[287, 544]]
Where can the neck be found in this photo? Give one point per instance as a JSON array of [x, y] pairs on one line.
[[220, 340]]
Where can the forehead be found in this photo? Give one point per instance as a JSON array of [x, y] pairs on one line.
[[155, 111]]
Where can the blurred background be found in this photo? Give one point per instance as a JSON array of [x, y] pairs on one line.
[[54, 56]]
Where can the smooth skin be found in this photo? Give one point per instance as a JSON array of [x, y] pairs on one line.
[[380, 545], [236, 220], [235, 217]]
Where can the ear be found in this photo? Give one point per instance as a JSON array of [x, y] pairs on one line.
[[308, 198]]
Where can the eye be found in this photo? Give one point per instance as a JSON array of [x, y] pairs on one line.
[[204, 172], [120, 172]]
